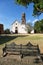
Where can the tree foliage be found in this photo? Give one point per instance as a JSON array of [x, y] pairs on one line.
[[38, 26], [7, 31], [38, 5]]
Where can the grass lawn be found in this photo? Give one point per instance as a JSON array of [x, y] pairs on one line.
[[21, 39]]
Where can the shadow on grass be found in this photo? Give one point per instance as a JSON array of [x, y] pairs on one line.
[[4, 39]]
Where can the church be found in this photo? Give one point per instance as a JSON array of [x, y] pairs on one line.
[[19, 28]]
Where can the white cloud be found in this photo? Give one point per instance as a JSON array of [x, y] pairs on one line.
[[35, 21]]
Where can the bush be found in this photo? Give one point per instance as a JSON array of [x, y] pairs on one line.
[[7, 31]]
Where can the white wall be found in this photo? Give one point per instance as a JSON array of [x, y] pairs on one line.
[[21, 28], [32, 31]]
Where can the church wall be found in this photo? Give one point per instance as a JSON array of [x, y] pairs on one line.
[[20, 27]]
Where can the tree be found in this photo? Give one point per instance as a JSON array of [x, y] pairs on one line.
[[38, 26], [41, 25], [7, 31], [38, 5]]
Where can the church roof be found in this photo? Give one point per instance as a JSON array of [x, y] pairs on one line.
[[15, 21]]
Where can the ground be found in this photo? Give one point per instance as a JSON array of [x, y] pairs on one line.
[[19, 39], [12, 60]]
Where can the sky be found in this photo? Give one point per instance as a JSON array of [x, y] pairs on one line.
[[10, 11]]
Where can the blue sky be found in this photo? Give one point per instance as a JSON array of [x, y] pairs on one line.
[[9, 12]]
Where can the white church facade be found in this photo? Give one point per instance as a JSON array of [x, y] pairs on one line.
[[17, 27]]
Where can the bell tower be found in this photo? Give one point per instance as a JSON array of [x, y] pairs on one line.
[[23, 19]]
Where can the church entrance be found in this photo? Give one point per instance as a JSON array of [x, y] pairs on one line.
[[16, 30]]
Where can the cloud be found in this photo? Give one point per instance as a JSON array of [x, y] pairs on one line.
[[35, 21]]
